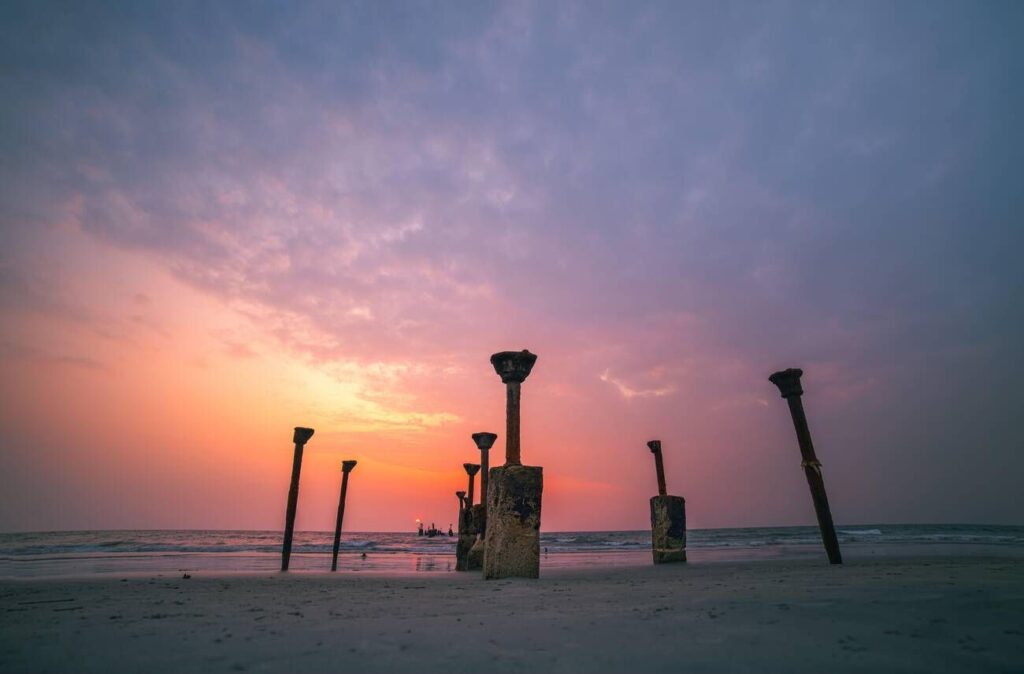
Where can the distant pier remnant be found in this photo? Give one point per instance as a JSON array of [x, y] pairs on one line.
[[668, 517], [788, 382], [512, 543], [346, 468], [300, 437], [484, 442]]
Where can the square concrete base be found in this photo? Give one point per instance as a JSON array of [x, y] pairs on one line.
[[469, 527], [668, 529], [476, 555], [512, 543]]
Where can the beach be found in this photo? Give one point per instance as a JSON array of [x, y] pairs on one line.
[[930, 612]]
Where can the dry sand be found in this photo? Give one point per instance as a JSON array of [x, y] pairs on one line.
[[877, 615]]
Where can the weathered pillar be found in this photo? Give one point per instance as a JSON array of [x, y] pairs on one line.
[[512, 544], [788, 382], [300, 437], [484, 442], [346, 468], [471, 469], [469, 527], [668, 517]]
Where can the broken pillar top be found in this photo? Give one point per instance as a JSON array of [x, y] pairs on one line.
[[302, 435], [347, 466], [788, 382], [513, 366], [655, 446], [484, 440], [471, 468]]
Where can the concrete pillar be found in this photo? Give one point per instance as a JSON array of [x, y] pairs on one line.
[[788, 383], [346, 468], [668, 528], [471, 469], [300, 437], [512, 543], [469, 527], [668, 517], [484, 442]]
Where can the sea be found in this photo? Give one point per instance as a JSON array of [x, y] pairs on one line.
[[98, 553]]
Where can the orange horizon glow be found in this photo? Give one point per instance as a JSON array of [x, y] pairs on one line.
[[213, 230]]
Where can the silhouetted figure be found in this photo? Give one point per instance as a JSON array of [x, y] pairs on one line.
[[788, 382], [300, 437], [450, 532]]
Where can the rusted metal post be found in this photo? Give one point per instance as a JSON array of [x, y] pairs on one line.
[[471, 469], [346, 468], [300, 437], [513, 367], [788, 382], [659, 465]]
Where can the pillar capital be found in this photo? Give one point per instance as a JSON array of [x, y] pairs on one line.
[[461, 495], [655, 446], [347, 466], [302, 435], [471, 468], [484, 440], [788, 382], [513, 366]]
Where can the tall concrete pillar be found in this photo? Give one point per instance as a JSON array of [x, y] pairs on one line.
[[346, 468], [788, 383], [300, 437], [512, 543], [668, 517]]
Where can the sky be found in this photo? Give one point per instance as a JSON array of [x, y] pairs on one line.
[[219, 221]]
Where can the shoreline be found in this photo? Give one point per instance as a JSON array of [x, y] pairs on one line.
[[931, 613], [168, 564]]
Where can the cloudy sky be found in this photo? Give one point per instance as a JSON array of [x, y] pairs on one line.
[[222, 220]]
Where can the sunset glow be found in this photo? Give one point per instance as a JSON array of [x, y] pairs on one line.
[[214, 230]]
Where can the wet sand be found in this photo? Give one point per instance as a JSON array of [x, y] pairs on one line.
[[936, 614]]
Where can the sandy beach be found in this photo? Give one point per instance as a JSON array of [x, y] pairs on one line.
[[963, 614]]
